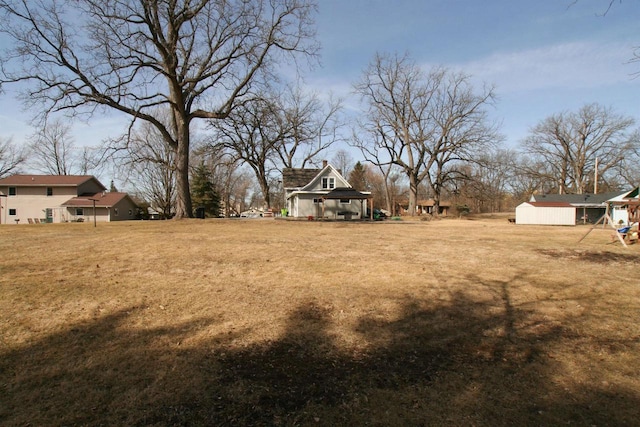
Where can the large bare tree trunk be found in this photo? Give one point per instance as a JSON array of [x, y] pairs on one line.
[[413, 194], [183, 200]]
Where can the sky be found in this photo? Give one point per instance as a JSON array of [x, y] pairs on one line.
[[542, 56]]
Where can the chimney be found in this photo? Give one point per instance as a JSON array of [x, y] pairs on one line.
[[324, 164]]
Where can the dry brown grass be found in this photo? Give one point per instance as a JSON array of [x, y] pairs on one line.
[[258, 322]]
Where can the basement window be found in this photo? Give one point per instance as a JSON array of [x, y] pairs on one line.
[[12, 212], [345, 201]]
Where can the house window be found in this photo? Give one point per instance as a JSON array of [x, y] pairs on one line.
[[12, 191], [12, 212], [49, 191], [317, 201], [130, 212], [79, 212], [328, 183], [345, 201], [115, 211]]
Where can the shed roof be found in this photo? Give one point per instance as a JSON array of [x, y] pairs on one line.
[[549, 204]]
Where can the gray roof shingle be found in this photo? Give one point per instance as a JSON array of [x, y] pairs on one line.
[[297, 178], [577, 199]]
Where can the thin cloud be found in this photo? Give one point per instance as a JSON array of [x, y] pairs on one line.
[[577, 65]]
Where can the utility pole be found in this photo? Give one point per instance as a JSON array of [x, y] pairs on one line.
[[94, 211], [595, 179]]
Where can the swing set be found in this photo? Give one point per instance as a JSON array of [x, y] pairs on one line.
[[621, 233]]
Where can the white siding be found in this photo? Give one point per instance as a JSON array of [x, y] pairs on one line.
[[619, 213], [538, 215]]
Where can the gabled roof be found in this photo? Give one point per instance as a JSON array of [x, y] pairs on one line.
[[633, 194], [313, 181], [346, 193], [576, 199], [298, 178], [48, 180], [105, 200]]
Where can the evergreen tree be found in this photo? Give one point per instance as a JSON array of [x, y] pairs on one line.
[[358, 177], [203, 192]]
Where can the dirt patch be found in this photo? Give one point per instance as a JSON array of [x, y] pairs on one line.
[[597, 257]]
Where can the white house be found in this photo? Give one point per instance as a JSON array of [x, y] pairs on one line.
[[322, 193], [624, 207], [26, 199]]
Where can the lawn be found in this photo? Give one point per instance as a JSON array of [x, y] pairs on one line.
[[270, 322]]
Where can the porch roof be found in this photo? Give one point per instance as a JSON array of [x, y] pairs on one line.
[[101, 199], [346, 193]]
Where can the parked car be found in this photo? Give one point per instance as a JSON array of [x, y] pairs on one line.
[[378, 214], [252, 213]]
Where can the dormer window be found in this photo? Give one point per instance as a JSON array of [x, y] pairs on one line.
[[328, 183]]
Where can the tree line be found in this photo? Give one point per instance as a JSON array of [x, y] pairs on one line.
[[214, 120]]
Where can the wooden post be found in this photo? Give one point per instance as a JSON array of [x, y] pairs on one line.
[[606, 218], [371, 208]]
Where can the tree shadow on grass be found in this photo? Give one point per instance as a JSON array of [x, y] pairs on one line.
[[461, 362]]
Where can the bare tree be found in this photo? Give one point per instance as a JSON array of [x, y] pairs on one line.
[[423, 122], [11, 157], [343, 161], [53, 150], [309, 125], [198, 58], [252, 133], [276, 131], [626, 171], [488, 180], [570, 142], [376, 155], [148, 162], [398, 125]]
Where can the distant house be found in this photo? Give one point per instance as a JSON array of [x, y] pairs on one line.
[[109, 206], [422, 207], [322, 193], [61, 198]]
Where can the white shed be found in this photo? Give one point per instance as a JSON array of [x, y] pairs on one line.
[[546, 213]]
